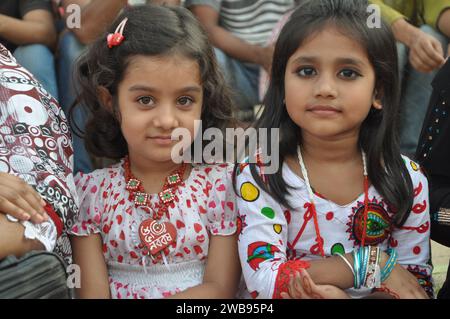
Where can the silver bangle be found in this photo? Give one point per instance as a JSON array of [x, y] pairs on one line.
[[347, 262]]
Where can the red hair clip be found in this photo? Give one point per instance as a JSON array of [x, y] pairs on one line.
[[116, 38]]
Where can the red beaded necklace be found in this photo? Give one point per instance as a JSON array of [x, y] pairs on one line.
[[155, 236]]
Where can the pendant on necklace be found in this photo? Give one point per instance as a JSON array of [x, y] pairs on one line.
[[156, 236]]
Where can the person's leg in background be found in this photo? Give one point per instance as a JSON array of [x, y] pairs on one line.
[[415, 98], [39, 60], [69, 51], [243, 79]]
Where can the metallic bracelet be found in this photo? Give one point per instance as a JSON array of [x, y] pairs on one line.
[[347, 262], [372, 277]]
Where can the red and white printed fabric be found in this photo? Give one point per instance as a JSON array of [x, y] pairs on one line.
[[35, 145]]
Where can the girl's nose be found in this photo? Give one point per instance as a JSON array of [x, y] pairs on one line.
[[166, 118], [325, 86]]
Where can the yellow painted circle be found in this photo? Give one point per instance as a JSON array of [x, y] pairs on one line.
[[249, 192]]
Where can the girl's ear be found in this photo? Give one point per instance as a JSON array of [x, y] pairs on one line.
[[376, 101], [377, 104], [105, 98]]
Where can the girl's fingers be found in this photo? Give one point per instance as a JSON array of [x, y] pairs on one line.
[[25, 206], [35, 202], [306, 281], [23, 196], [291, 288], [6, 207], [299, 286], [17, 184]]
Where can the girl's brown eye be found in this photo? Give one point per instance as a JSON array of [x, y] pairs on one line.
[[145, 100], [349, 74], [306, 72], [185, 101]]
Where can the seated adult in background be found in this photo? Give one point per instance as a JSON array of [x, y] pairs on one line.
[[239, 31], [36, 166], [27, 29], [96, 16], [433, 154], [422, 29]]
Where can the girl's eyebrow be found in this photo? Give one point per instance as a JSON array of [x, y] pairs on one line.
[[305, 59], [351, 61], [312, 59], [151, 89]]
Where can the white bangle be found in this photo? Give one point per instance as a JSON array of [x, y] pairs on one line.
[[347, 262]]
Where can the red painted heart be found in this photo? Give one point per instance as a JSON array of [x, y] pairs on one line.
[[157, 236]]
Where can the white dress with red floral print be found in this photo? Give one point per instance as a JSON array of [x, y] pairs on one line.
[[204, 207], [275, 241]]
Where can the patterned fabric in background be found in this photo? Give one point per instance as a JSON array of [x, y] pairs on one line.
[[35, 144]]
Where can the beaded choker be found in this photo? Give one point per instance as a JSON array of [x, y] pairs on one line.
[[155, 236], [319, 239]]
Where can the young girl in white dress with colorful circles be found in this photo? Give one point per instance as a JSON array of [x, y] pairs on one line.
[[345, 215], [149, 227]]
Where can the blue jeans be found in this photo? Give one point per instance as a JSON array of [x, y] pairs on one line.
[[243, 79], [39, 60], [415, 96], [69, 51]]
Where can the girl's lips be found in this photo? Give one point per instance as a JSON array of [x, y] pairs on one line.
[[323, 110], [162, 140]]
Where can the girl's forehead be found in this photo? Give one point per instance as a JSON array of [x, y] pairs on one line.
[[138, 61], [151, 66], [166, 72], [331, 43]]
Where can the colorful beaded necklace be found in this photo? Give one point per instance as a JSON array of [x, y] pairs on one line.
[[313, 206], [155, 236]]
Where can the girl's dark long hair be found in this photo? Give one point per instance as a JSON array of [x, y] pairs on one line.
[[378, 136], [151, 30]]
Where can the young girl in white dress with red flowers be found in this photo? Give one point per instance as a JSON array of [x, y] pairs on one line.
[[344, 205], [149, 227]]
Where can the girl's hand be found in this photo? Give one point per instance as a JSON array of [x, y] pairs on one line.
[[20, 200], [425, 52], [302, 287], [402, 284]]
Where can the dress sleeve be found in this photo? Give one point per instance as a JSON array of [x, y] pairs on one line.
[[433, 10], [412, 240], [222, 209], [263, 240], [89, 217], [215, 4]]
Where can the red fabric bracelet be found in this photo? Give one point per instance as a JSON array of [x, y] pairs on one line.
[[284, 273]]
